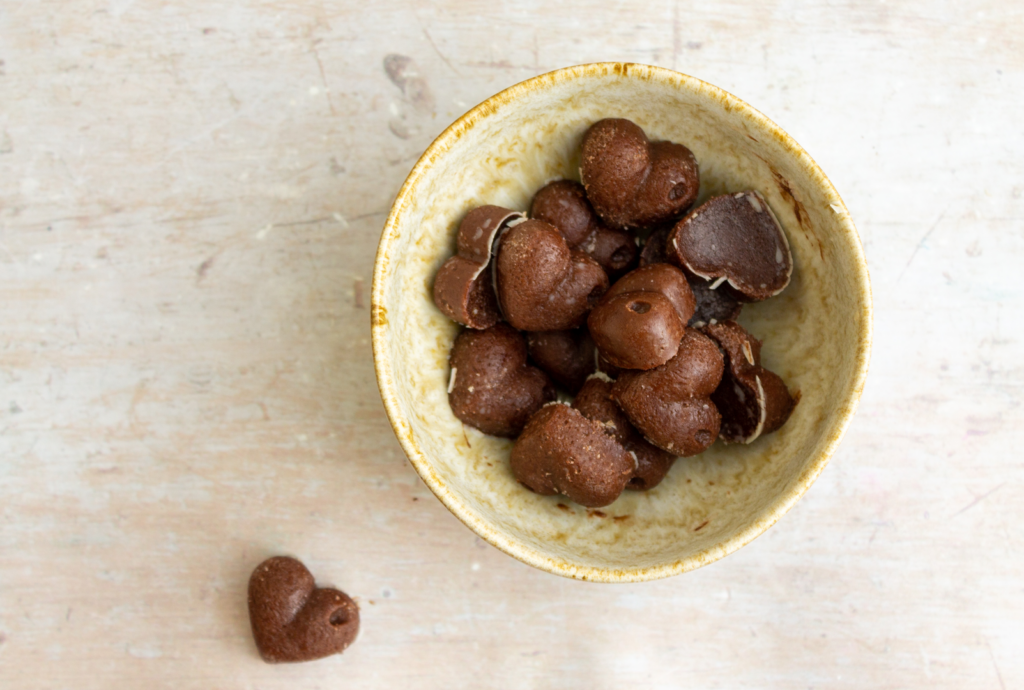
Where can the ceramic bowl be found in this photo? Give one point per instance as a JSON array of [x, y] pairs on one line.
[[816, 334]]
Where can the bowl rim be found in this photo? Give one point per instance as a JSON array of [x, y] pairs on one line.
[[382, 365]]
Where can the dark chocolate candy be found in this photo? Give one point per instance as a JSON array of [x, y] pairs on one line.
[[671, 404], [713, 304], [753, 400], [561, 451], [294, 620], [595, 402], [563, 204], [633, 182], [463, 288], [735, 238], [568, 357], [542, 284], [491, 386], [636, 330], [663, 278]]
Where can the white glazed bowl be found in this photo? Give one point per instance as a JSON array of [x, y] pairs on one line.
[[816, 334]]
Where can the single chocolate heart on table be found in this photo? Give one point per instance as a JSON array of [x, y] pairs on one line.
[[753, 400], [594, 401], [492, 388], [734, 238], [294, 620], [671, 404], [562, 452], [542, 284], [463, 288], [633, 182], [563, 204], [640, 320], [568, 357]]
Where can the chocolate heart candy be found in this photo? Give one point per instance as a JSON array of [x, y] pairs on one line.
[[463, 288], [639, 321], [594, 401], [671, 404], [542, 285], [491, 386], [735, 238], [292, 619], [636, 330], [564, 204], [561, 451], [568, 357], [753, 400], [633, 182]]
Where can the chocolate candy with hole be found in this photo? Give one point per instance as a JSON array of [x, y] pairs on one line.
[[735, 239], [294, 620], [563, 204], [671, 404], [491, 387], [463, 287], [636, 330], [594, 401], [633, 182], [562, 452], [752, 400], [568, 357], [542, 284]]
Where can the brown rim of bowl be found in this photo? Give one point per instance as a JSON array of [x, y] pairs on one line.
[[378, 328]]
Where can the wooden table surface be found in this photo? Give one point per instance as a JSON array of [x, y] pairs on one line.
[[191, 194]]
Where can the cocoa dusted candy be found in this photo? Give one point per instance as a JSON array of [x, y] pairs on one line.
[[492, 388], [294, 620], [735, 238], [654, 249], [562, 452], [752, 400], [633, 182], [563, 204], [542, 284], [595, 402], [640, 320], [568, 357], [463, 288], [671, 404]]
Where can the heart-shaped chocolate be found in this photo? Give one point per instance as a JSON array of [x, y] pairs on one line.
[[563, 204], [491, 386], [594, 401], [568, 357], [633, 182], [542, 284], [753, 400], [734, 238], [671, 404], [562, 452], [640, 320], [463, 288], [294, 620]]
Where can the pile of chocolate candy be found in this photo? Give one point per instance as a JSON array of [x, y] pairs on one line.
[[653, 355]]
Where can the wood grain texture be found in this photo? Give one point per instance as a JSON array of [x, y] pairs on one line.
[[191, 194]]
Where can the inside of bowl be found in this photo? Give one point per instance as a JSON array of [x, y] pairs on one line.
[[813, 333]]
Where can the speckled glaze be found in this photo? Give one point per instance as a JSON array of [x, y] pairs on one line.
[[817, 333]]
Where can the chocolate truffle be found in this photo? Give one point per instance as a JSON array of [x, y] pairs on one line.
[[492, 388], [568, 357], [752, 400], [633, 182]]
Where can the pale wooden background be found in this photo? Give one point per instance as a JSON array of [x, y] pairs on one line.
[[191, 194]]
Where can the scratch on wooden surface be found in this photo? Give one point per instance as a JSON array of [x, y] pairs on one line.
[[357, 296], [978, 500], [434, 46], [921, 243], [203, 268], [323, 76], [999, 673]]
